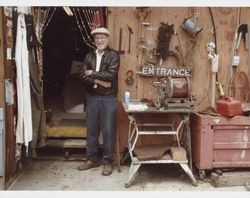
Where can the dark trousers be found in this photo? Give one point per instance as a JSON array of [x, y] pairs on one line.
[[101, 115]]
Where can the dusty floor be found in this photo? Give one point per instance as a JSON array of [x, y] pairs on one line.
[[54, 175], [51, 175]]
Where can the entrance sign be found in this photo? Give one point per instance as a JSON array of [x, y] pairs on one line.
[[151, 70]]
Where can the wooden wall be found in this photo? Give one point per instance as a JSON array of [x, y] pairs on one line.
[[1, 63], [2, 145], [225, 20], [10, 164]]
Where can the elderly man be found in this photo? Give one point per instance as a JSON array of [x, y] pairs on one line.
[[100, 76]]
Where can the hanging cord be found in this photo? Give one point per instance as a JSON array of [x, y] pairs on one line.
[[81, 31], [86, 32], [246, 86], [48, 21]]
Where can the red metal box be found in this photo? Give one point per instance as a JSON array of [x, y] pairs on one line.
[[229, 107], [218, 142]]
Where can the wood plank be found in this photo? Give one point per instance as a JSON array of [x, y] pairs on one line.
[[68, 143], [178, 153], [62, 157], [229, 179]]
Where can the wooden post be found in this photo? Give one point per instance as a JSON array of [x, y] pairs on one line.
[[2, 144]]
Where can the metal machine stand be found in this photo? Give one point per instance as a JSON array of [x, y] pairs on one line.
[[136, 129]]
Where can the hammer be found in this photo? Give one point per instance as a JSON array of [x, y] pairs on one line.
[[120, 42], [129, 37]]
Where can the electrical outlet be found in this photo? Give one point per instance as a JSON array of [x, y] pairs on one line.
[[236, 61]]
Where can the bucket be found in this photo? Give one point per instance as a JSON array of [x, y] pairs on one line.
[[191, 26]]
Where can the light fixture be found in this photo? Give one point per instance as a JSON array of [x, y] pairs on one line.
[[68, 11]]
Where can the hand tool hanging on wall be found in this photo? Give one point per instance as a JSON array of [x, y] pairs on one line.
[[129, 37], [242, 29], [120, 42]]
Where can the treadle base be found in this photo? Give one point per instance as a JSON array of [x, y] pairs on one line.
[[166, 159]]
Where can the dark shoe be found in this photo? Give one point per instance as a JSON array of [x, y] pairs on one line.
[[87, 165], [107, 169]]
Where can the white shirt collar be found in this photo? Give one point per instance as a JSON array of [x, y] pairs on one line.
[[97, 53]]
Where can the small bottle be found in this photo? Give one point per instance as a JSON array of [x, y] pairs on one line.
[[127, 97]]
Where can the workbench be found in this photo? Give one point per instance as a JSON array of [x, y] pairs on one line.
[[138, 126]]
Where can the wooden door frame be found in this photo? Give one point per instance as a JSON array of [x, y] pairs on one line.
[[10, 165], [2, 93]]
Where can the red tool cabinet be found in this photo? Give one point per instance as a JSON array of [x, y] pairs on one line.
[[218, 142]]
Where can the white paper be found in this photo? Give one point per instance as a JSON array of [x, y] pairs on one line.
[[9, 54], [9, 92], [137, 107]]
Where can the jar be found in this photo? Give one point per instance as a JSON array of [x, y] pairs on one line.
[[127, 97]]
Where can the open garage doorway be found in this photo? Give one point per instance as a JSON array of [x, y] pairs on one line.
[[66, 40]]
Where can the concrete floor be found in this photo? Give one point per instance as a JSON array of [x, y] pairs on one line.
[[51, 175], [54, 175]]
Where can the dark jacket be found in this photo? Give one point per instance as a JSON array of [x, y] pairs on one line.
[[109, 67]]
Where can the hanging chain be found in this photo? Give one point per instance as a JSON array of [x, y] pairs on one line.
[[81, 31], [81, 19], [48, 19], [87, 18], [84, 39]]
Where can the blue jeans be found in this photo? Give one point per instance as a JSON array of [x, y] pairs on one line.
[[101, 115]]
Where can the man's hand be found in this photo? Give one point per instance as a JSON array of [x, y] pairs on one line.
[[88, 72], [103, 83]]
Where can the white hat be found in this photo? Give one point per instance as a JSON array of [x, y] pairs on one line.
[[101, 30]]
